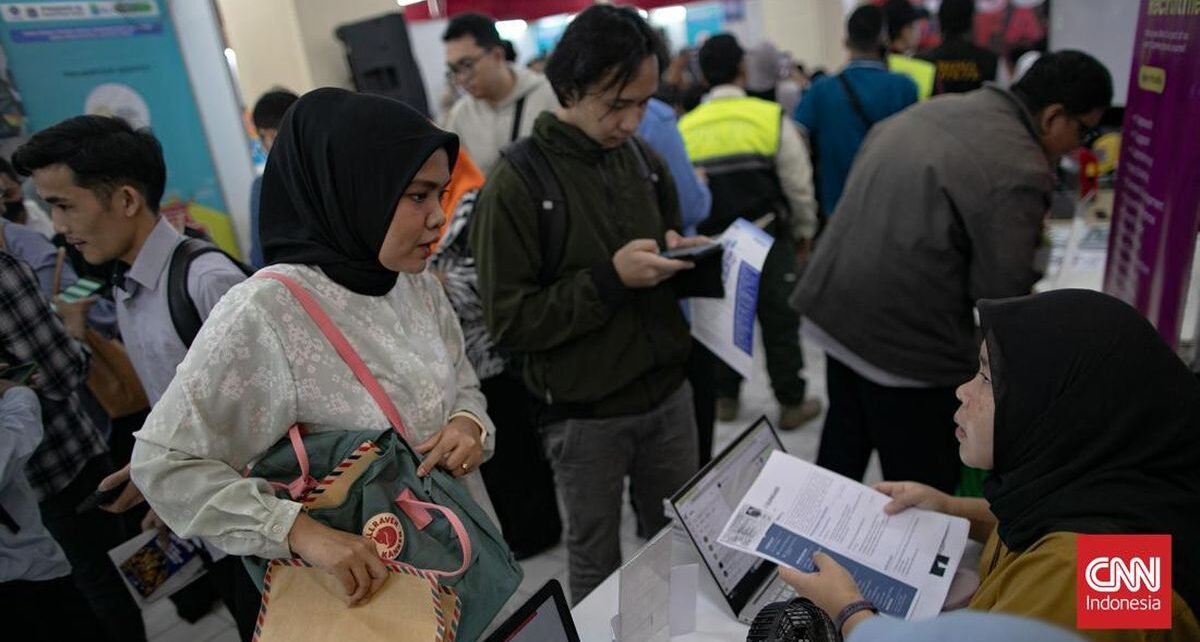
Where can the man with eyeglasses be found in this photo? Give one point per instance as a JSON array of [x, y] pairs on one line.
[[501, 99], [944, 205]]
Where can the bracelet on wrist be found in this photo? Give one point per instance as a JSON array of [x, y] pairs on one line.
[[852, 608]]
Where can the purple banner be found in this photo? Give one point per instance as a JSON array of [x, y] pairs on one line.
[[1156, 211]]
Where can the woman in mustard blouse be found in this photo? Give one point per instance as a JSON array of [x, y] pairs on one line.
[[1089, 424]]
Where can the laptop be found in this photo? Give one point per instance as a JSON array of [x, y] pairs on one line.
[[545, 617], [706, 502]]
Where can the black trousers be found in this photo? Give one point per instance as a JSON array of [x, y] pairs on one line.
[[238, 592], [86, 539], [518, 477], [48, 610], [702, 373], [912, 428]]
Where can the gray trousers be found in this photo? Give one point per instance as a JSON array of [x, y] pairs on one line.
[[592, 457]]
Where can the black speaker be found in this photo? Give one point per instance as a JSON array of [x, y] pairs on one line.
[[381, 60]]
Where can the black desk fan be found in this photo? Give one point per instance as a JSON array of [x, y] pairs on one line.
[[798, 620]]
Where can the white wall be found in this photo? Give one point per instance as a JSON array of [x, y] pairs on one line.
[[812, 30], [265, 35], [216, 99], [1104, 28], [426, 38]]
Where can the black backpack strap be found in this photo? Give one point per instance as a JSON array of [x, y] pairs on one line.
[[184, 315], [651, 178], [544, 189], [516, 126], [855, 103]]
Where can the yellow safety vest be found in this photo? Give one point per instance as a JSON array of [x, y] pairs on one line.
[[922, 72], [729, 127]]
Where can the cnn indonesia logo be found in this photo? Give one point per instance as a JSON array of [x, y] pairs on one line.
[[1124, 582]]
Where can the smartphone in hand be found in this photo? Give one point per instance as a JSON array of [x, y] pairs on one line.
[[694, 253], [19, 374], [81, 289], [99, 498]]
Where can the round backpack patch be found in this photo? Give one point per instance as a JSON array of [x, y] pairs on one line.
[[384, 529]]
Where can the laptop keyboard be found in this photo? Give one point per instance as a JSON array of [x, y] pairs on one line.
[[777, 591]]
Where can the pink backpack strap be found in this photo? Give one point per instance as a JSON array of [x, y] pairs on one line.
[[418, 512], [343, 347], [305, 482]]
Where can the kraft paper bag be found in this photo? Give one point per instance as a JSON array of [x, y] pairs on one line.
[[302, 604]]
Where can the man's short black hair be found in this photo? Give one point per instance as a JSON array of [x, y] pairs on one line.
[[270, 108], [510, 51], [602, 44], [864, 28], [104, 152], [899, 14], [476, 25], [1072, 78], [720, 57], [956, 17]]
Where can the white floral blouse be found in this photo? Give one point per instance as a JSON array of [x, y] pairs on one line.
[[260, 365]]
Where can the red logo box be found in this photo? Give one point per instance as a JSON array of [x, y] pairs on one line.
[[1123, 582]]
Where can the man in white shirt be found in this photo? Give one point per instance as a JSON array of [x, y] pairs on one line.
[[35, 578], [104, 181], [502, 99]]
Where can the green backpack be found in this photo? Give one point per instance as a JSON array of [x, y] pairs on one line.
[[355, 481]]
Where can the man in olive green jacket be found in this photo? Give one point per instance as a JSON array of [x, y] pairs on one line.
[[604, 344]]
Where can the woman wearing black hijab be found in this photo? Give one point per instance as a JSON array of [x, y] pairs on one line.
[[1090, 424], [350, 210]]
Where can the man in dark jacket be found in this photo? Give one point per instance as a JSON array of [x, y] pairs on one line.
[[917, 238], [604, 344]]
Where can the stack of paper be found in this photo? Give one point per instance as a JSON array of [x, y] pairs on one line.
[[903, 563]]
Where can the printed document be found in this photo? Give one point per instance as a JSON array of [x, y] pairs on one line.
[[726, 326], [903, 563]]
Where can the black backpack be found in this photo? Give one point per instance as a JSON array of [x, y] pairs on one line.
[[533, 167], [184, 315]]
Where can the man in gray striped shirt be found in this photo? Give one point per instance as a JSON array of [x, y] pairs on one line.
[[104, 181]]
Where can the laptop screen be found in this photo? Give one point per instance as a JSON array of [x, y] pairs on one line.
[[709, 499], [544, 618]]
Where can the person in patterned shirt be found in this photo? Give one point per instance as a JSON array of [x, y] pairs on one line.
[[72, 458]]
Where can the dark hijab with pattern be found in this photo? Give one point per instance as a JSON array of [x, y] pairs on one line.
[[338, 168], [1097, 426]]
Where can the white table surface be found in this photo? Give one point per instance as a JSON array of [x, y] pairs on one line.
[[715, 622]]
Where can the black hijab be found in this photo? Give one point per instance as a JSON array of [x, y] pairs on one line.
[[1097, 426], [337, 170]]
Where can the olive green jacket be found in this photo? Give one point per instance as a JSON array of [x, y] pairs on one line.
[[587, 341]]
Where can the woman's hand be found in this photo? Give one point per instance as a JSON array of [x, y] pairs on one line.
[[457, 448], [830, 587], [909, 494], [352, 559], [130, 496]]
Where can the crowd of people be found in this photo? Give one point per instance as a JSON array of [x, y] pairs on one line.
[[502, 276]]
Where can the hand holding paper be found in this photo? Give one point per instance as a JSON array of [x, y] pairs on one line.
[[830, 587], [904, 563]]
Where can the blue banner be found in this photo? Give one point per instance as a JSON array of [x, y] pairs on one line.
[[119, 59]]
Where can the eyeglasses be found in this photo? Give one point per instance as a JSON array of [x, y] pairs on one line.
[[1087, 133], [463, 68]]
